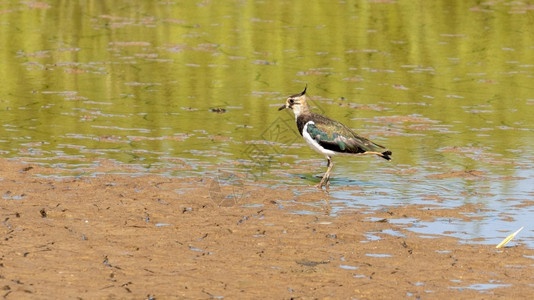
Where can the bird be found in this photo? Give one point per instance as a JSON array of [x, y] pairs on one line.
[[329, 137]]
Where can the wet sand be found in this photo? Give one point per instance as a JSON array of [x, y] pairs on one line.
[[138, 237]]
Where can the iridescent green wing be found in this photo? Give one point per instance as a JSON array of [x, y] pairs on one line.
[[335, 136]]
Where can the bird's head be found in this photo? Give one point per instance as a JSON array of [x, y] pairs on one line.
[[297, 103]]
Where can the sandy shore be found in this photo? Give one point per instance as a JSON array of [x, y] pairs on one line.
[[128, 237]]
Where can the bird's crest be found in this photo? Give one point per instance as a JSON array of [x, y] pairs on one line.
[[300, 94], [304, 92]]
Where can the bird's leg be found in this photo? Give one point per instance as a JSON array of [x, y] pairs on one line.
[[326, 177], [330, 165]]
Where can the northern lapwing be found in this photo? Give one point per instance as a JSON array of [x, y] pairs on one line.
[[327, 136]]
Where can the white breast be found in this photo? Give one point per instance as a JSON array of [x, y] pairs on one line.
[[313, 143]]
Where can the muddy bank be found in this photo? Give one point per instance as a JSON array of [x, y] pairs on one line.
[[124, 236]]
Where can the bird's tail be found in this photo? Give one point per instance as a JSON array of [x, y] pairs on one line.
[[386, 155], [365, 146], [379, 150]]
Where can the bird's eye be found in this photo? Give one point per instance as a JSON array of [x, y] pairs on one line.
[[291, 101]]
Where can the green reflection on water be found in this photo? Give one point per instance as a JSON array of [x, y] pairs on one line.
[[134, 81]]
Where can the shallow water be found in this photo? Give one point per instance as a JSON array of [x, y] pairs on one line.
[[191, 88]]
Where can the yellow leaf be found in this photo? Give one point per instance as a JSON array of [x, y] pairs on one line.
[[508, 238]]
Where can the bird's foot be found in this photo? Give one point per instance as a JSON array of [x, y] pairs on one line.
[[324, 182], [319, 186]]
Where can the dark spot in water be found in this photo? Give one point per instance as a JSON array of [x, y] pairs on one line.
[[218, 110]]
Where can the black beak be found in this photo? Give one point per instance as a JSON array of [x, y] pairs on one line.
[[282, 107]]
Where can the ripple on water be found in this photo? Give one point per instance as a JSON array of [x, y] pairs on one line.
[[380, 255], [482, 287]]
